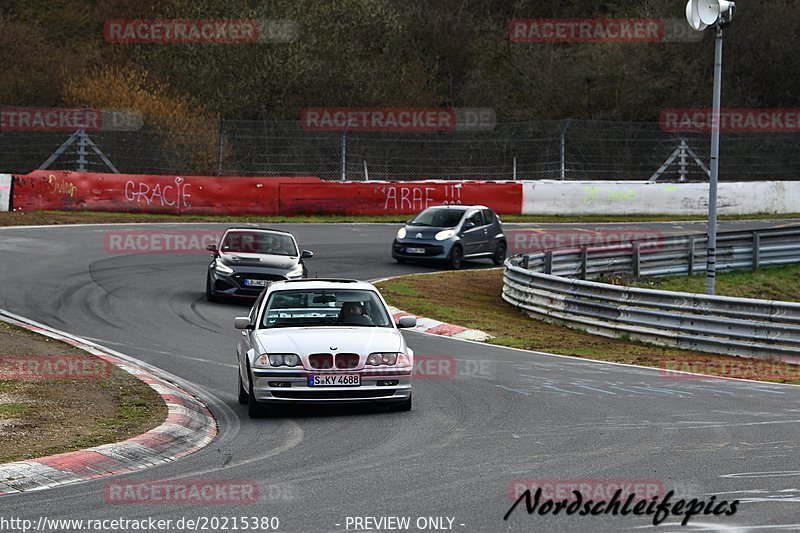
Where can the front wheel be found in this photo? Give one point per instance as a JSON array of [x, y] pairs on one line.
[[254, 409], [499, 253], [209, 294], [456, 257], [243, 394], [403, 406]]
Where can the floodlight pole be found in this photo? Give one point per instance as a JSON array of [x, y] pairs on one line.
[[712, 184]]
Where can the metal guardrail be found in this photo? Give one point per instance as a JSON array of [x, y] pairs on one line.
[[542, 284]]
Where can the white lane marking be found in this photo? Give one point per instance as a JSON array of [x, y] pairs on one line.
[[709, 425], [513, 390], [778, 473], [582, 362], [561, 390], [161, 352], [598, 390]]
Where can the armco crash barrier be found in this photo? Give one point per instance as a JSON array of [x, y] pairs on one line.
[[257, 195]]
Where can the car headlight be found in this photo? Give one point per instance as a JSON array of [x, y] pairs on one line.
[[222, 267], [401, 233], [296, 272], [445, 234], [278, 359], [388, 359]]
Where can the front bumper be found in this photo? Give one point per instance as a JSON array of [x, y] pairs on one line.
[[433, 250], [233, 285], [294, 387]]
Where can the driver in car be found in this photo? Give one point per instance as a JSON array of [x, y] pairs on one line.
[[354, 313]]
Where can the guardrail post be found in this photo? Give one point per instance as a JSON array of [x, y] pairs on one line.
[[584, 258], [637, 267], [524, 263], [548, 262], [691, 256], [756, 249]]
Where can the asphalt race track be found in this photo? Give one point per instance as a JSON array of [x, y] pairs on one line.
[[504, 415]]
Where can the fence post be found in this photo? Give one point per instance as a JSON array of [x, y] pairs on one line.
[[584, 260], [548, 262], [691, 256], [637, 267], [219, 144], [82, 143], [756, 249], [682, 164], [563, 139], [344, 155]]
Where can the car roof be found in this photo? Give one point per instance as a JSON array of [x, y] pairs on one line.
[[256, 228], [458, 206], [322, 283]]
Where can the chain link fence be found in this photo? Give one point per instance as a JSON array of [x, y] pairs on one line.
[[570, 149]]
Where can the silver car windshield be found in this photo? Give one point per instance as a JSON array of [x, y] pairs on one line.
[[324, 307], [258, 242], [439, 218]]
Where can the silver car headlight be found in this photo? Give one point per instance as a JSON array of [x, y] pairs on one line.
[[401, 233], [296, 272], [279, 359], [445, 234], [388, 359], [222, 267]]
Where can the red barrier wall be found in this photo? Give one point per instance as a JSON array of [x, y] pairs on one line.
[[201, 195], [240, 195], [382, 198]]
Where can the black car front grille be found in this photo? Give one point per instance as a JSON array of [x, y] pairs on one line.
[[320, 361], [347, 360]]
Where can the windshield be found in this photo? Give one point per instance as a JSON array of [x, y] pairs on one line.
[[438, 217], [324, 307], [258, 242]]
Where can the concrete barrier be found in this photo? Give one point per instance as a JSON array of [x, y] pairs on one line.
[[273, 195], [5, 192], [650, 198]]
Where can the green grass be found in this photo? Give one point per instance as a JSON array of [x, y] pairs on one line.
[[12, 410], [771, 283], [472, 299]]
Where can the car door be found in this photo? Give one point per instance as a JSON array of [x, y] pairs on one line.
[[494, 232], [473, 233]]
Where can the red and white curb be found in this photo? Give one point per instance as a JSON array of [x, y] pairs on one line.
[[429, 325], [189, 427]]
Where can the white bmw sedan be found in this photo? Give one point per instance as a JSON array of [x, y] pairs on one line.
[[322, 341]]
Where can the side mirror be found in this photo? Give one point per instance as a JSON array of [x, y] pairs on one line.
[[212, 248], [242, 322], [306, 254], [407, 322], [468, 224]]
